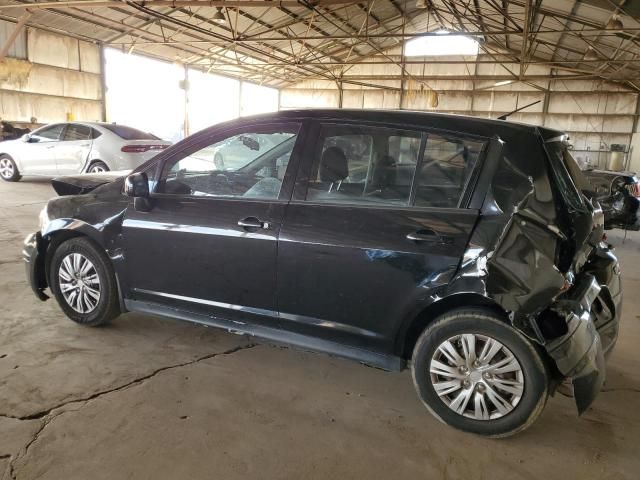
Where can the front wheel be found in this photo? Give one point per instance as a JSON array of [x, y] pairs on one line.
[[82, 280], [8, 169], [475, 372]]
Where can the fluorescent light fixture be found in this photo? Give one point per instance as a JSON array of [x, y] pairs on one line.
[[443, 43], [614, 23], [219, 17], [502, 83]]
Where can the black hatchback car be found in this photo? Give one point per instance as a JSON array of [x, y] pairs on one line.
[[461, 247]]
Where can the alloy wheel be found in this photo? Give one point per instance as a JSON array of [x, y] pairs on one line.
[[97, 169], [79, 283], [477, 376], [6, 168]]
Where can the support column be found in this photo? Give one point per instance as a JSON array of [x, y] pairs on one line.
[[103, 82], [185, 85]]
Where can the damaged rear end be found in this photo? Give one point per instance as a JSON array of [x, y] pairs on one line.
[[552, 271]]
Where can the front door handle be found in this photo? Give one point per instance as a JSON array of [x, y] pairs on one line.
[[428, 235], [252, 222]]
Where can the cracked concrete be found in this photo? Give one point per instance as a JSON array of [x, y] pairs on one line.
[[151, 398]]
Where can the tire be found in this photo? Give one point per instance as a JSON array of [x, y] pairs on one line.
[[91, 311], [218, 161], [8, 169], [97, 167], [528, 379]]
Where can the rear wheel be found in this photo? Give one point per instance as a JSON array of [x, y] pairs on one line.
[[476, 373], [83, 282], [8, 169], [98, 167]]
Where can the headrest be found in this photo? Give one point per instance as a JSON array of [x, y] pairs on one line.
[[333, 165]]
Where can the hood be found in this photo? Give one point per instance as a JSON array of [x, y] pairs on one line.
[[80, 184]]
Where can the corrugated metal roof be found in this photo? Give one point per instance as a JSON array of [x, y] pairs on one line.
[[280, 45]]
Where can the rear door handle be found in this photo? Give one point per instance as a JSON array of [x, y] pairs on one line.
[[252, 222], [428, 235]]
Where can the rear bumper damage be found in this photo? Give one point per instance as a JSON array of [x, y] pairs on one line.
[[591, 311]]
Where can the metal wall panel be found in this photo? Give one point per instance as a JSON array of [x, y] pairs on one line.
[[19, 47]]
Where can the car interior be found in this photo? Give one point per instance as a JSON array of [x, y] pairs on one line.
[[379, 167]]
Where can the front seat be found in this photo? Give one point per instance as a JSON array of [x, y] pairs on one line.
[[333, 167]]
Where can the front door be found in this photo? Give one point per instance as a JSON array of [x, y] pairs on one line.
[[38, 155], [209, 242], [375, 226], [73, 150]]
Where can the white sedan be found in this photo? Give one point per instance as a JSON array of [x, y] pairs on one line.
[[77, 147]]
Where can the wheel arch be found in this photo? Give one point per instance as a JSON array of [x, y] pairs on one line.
[[408, 335], [92, 161], [65, 229], [76, 229]]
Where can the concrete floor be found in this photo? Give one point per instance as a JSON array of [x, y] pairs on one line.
[[151, 398]]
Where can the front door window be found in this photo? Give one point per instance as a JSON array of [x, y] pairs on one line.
[[251, 164]]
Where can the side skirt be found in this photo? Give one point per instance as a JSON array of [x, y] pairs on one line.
[[305, 342]]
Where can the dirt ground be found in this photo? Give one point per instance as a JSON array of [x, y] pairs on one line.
[[147, 398]]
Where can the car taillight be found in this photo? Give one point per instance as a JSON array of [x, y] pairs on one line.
[[142, 148], [634, 189]]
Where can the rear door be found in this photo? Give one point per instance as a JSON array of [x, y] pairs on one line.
[[377, 223], [73, 150]]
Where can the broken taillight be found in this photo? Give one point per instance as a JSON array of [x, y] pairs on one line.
[[141, 148], [633, 189]]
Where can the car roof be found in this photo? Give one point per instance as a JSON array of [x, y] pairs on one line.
[[459, 123]]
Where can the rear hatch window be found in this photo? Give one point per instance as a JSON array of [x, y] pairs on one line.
[[567, 175], [128, 133]]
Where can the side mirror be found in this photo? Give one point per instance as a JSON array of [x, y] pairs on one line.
[[137, 185], [26, 138]]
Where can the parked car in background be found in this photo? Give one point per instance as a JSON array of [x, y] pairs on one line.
[[8, 131], [77, 147], [233, 152], [458, 246], [619, 196]]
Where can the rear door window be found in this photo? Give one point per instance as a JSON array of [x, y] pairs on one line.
[[390, 166], [363, 165], [76, 132]]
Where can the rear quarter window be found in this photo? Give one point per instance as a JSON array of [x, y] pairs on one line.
[[446, 167]]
